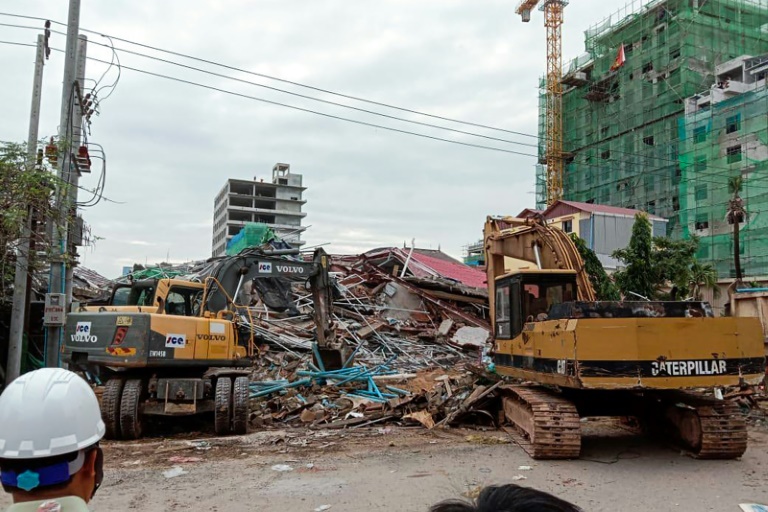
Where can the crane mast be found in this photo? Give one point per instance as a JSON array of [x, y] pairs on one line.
[[553, 21]]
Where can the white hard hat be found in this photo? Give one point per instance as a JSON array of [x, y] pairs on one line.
[[48, 412]]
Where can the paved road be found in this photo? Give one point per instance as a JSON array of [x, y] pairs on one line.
[[397, 470]]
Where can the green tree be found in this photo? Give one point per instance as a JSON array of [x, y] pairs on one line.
[[735, 216], [703, 276], [601, 282], [639, 276], [22, 188], [672, 261]]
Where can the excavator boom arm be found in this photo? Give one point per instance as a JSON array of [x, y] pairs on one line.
[[227, 280]]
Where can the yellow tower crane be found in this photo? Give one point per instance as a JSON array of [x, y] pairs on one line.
[[553, 20]]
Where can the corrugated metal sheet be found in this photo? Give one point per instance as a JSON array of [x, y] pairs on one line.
[[585, 231], [611, 232]]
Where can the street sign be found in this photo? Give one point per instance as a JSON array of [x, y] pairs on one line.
[[54, 312]]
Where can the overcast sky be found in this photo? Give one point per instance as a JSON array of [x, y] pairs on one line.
[[171, 146]]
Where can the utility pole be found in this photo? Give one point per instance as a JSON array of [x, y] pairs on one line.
[[61, 222], [23, 251], [74, 181]]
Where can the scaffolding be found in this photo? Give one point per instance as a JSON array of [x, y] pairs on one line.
[[721, 140], [626, 132]]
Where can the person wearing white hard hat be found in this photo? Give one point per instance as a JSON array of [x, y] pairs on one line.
[[50, 428]]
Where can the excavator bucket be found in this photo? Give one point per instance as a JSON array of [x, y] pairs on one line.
[[331, 358], [330, 353]]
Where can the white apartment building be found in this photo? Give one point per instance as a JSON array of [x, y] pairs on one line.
[[277, 204]]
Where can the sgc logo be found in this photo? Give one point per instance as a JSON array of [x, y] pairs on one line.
[[176, 341], [83, 333]]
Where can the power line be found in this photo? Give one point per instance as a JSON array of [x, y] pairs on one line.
[[304, 96], [19, 44], [641, 155], [323, 114], [698, 179], [282, 80], [225, 91], [310, 111]]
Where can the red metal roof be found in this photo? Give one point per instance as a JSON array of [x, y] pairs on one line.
[[528, 212], [598, 208], [456, 271]]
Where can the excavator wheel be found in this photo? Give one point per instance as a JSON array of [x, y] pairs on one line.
[[130, 409], [110, 407], [222, 417], [546, 425], [240, 413]]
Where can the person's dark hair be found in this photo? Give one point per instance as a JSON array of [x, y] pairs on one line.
[[508, 498]]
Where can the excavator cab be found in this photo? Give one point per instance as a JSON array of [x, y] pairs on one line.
[[526, 296]]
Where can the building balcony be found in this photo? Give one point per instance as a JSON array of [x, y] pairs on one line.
[[264, 211], [575, 79], [282, 227]]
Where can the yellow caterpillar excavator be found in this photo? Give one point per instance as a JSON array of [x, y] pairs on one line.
[[179, 347], [589, 358]]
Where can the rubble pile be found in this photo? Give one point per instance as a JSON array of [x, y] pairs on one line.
[[412, 337]]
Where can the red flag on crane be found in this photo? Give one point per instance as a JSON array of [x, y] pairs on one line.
[[621, 58]]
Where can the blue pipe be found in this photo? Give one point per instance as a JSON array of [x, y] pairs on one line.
[[316, 351]]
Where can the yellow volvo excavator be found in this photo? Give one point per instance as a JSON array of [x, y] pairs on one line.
[[589, 358], [180, 347]]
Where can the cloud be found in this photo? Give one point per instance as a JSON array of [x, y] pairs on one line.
[[171, 147]]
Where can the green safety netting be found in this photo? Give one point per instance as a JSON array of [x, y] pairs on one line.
[[627, 138], [254, 234]]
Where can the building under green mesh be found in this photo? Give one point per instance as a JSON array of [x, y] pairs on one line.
[[627, 138], [723, 134]]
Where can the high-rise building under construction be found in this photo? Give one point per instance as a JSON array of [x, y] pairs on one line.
[[668, 102]]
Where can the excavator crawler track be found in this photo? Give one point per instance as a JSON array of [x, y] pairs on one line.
[[546, 425], [706, 428]]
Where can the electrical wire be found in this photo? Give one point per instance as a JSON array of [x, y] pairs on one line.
[[697, 179], [18, 44], [113, 85], [282, 80], [647, 157], [641, 155]]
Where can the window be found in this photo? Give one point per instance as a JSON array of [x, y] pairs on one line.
[[648, 66], [183, 301], [676, 203], [648, 141], [121, 295], [733, 124], [699, 134], [605, 155], [604, 131], [174, 304], [651, 208], [702, 221], [539, 298], [701, 192], [674, 53], [734, 154], [567, 226], [502, 312], [700, 163], [141, 296]]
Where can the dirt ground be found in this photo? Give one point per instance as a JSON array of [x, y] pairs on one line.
[[408, 469]]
